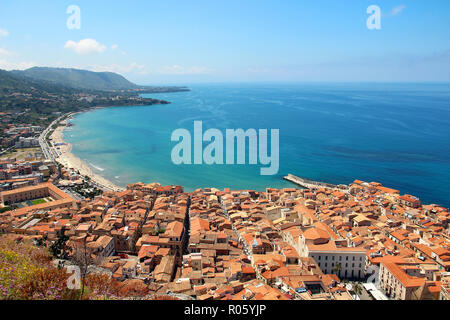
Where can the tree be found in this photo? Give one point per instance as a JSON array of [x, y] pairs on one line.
[[58, 249], [357, 288], [83, 256], [5, 209], [160, 231], [40, 242], [337, 268]]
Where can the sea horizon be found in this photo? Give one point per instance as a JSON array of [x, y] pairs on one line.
[[330, 132]]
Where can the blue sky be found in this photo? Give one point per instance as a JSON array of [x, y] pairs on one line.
[[156, 42]]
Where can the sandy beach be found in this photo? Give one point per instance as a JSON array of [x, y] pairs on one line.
[[70, 161]]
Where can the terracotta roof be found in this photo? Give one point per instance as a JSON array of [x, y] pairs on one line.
[[315, 234]]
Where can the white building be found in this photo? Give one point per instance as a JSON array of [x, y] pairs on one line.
[[332, 256]]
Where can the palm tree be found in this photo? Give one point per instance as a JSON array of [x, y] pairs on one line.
[[357, 288], [337, 268]]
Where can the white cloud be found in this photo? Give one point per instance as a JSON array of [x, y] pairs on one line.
[[397, 10], [4, 33], [85, 46], [179, 70], [8, 65]]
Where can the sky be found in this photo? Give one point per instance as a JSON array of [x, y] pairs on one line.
[[167, 41]]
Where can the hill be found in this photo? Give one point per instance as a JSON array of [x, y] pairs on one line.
[[80, 79], [29, 271], [24, 100], [89, 80], [16, 82]]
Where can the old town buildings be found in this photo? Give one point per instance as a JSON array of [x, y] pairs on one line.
[[244, 244]]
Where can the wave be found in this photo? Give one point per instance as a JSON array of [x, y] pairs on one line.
[[96, 167]]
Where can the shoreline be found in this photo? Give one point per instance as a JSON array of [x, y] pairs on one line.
[[71, 162]]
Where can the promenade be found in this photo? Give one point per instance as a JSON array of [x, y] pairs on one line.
[[63, 155]]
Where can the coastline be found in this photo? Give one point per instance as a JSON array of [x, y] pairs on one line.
[[375, 155], [68, 160]]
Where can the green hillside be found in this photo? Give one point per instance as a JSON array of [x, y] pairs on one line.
[[30, 101], [88, 80], [80, 79]]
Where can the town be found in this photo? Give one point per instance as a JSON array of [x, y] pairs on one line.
[[224, 159], [363, 241]]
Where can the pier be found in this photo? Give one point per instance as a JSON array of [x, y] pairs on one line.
[[310, 184]]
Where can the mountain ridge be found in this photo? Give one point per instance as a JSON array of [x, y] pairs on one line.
[[90, 80], [24, 100]]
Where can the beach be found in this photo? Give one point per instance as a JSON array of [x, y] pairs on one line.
[[331, 133], [67, 159]]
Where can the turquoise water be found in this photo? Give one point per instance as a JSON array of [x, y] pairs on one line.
[[396, 134]]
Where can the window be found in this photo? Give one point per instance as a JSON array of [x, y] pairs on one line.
[[346, 258]]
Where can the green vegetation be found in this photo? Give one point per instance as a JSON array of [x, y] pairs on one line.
[[82, 79], [38, 96], [5, 209], [27, 273], [337, 268], [357, 288], [25, 100], [86, 190], [38, 201], [79, 79], [59, 249], [160, 231]]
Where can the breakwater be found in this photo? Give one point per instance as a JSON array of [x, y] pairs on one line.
[[311, 184]]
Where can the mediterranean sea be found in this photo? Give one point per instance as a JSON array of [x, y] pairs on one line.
[[395, 134]]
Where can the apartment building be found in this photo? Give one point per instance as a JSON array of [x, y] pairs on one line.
[[398, 281], [331, 255]]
